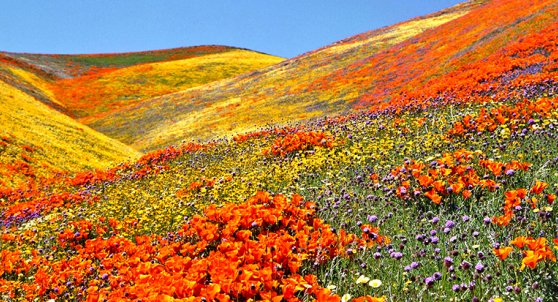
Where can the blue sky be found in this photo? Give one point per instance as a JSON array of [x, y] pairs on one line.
[[280, 27]]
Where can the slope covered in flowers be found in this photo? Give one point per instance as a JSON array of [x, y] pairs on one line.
[[457, 55], [37, 141], [448, 196], [252, 100], [93, 96], [453, 202]]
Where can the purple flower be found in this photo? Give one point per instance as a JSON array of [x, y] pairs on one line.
[[396, 255], [448, 261], [465, 265], [510, 172], [465, 218], [435, 219], [487, 220], [415, 265], [433, 232], [453, 239], [450, 224], [456, 287], [437, 276], [377, 255], [429, 281], [479, 267], [434, 239], [372, 218]]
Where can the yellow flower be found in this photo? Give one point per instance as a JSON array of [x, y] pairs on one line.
[[346, 298], [362, 279], [498, 299], [375, 283]]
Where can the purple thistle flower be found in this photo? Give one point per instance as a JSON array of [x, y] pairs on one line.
[[429, 281], [465, 218], [372, 218], [435, 219], [437, 276], [415, 265], [448, 261], [456, 287], [465, 265], [479, 267], [450, 224], [396, 255]]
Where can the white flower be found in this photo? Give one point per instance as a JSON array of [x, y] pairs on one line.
[[362, 279], [375, 283], [346, 298], [331, 287]]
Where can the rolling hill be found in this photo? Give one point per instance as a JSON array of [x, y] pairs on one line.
[[90, 86], [419, 62]]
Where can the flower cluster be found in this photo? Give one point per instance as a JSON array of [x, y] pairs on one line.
[[300, 141]]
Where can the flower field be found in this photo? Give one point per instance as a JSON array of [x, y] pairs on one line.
[[434, 177], [451, 203]]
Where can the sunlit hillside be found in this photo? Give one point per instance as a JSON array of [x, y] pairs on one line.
[[69, 66], [427, 61], [252, 100], [37, 141], [93, 96]]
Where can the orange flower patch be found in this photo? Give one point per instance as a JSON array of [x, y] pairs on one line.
[[253, 250], [300, 141]]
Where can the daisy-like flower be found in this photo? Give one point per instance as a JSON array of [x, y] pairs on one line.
[[362, 279], [346, 298], [375, 283]]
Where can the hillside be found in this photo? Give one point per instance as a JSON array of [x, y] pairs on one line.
[[219, 108], [38, 142], [88, 87], [93, 96], [71, 66], [91, 86], [440, 186], [419, 62]]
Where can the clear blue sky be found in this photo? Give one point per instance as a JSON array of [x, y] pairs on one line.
[[280, 27]]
